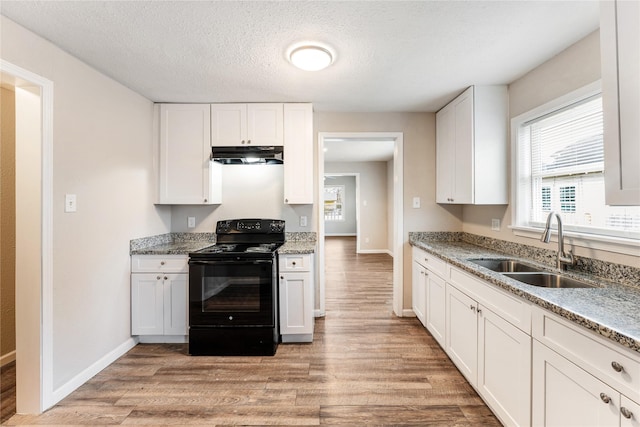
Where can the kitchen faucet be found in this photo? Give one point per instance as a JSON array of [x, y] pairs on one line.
[[562, 258]]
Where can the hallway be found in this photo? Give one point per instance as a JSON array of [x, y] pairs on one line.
[[365, 367]]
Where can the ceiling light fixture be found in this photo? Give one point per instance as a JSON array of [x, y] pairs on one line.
[[310, 56]]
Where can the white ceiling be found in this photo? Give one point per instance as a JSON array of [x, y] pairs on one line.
[[391, 55]]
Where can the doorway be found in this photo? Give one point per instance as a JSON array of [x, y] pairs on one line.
[[395, 210], [34, 235]]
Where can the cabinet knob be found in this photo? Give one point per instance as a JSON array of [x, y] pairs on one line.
[[617, 367], [473, 308], [281, 277], [161, 262], [205, 200], [286, 200], [626, 413], [248, 141], [158, 278], [605, 398], [165, 277], [293, 263], [243, 142], [479, 311]]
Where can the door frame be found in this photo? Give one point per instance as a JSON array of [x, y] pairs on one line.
[[357, 202], [398, 213], [34, 320]]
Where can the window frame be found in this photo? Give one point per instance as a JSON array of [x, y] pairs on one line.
[[343, 189], [520, 199]]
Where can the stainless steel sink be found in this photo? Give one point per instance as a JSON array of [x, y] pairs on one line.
[[505, 265], [549, 280]]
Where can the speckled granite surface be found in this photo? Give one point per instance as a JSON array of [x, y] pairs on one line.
[[183, 243], [299, 243], [612, 309], [171, 243]]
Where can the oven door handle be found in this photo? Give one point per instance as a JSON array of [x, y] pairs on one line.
[[230, 262]]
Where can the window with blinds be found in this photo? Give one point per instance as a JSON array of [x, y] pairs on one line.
[[561, 168]]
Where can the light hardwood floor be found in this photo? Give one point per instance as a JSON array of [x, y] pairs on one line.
[[365, 367]]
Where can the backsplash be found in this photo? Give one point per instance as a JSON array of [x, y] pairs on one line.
[[618, 273]]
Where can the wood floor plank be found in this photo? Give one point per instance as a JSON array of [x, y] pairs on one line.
[[365, 366]]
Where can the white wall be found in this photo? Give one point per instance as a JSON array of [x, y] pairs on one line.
[[571, 69], [102, 152], [248, 191]]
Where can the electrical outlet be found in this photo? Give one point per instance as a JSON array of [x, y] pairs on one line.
[[70, 204], [416, 202], [495, 224], [191, 222], [303, 221]]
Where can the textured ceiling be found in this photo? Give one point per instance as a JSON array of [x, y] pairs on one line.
[[391, 55]]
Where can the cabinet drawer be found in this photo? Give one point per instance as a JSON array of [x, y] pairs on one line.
[[295, 262], [615, 366], [159, 263], [514, 310], [433, 263]]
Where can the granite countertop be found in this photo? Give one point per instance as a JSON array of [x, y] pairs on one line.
[[612, 310], [183, 243]]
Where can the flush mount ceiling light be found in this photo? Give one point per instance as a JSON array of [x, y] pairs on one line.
[[310, 56]]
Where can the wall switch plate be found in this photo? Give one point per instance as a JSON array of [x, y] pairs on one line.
[[70, 204], [495, 224], [416, 202], [303, 221], [191, 222]]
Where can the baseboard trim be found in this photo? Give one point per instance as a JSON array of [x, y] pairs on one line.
[[407, 312], [340, 234], [7, 358], [375, 251], [84, 376]]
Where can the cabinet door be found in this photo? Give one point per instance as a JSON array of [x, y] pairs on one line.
[[620, 52], [418, 291], [445, 154], [504, 368], [565, 395], [464, 149], [228, 125], [435, 310], [298, 153], [462, 332], [185, 136], [265, 124], [296, 303], [175, 304], [629, 413], [147, 304]]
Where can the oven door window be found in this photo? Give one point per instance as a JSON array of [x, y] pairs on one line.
[[236, 292]]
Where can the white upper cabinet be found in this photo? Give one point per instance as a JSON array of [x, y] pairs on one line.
[[244, 124], [298, 153], [471, 148], [187, 176], [620, 56]]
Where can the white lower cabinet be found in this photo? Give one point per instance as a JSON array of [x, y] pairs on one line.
[[418, 291], [462, 333], [296, 293], [435, 306], [159, 300], [579, 379]]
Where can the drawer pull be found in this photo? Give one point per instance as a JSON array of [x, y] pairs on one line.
[[165, 277], [616, 366], [626, 413], [158, 278], [605, 398], [161, 262], [293, 263]]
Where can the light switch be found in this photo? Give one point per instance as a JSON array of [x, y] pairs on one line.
[[70, 204], [191, 222], [416, 202], [303, 221]]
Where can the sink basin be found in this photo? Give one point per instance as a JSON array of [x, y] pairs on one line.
[[506, 265], [548, 280]]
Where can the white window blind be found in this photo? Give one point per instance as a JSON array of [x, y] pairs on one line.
[[561, 168]]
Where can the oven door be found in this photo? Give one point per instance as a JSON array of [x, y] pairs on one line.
[[236, 292]]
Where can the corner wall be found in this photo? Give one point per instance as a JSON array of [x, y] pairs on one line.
[[102, 152]]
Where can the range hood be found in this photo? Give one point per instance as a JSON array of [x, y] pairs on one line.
[[248, 155]]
